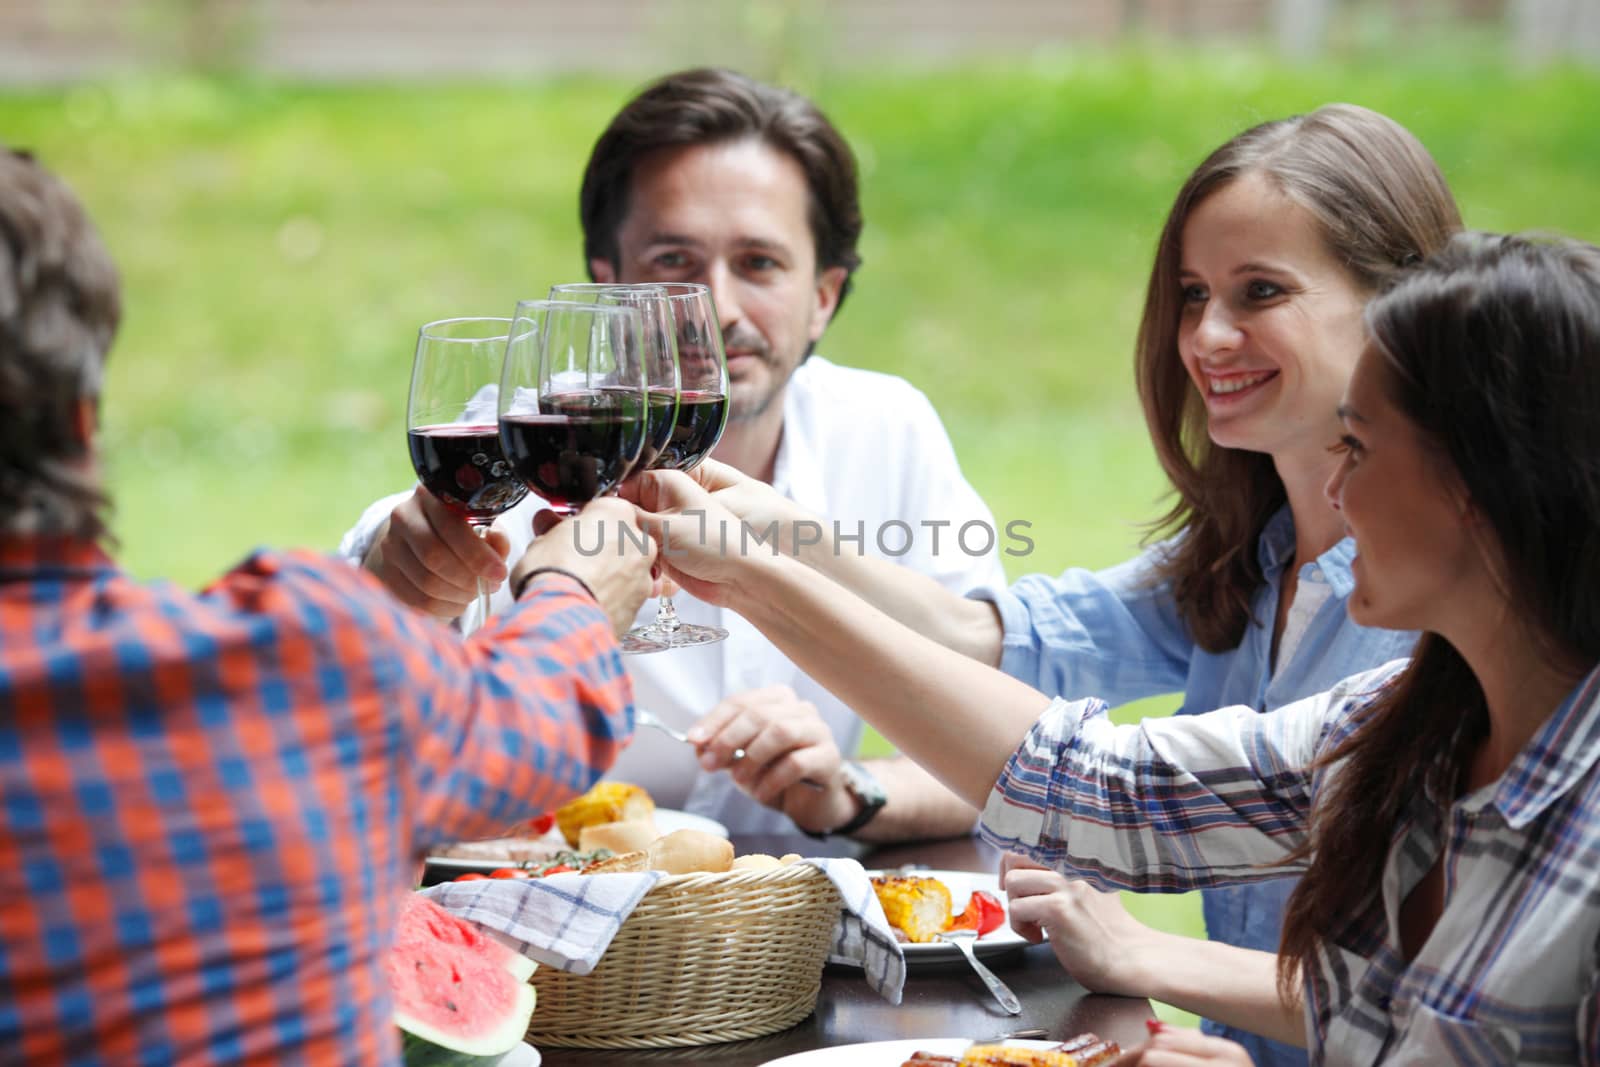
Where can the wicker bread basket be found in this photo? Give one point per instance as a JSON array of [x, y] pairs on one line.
[[703, 958]]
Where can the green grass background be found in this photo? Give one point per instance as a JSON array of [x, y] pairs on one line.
[[280, 244]]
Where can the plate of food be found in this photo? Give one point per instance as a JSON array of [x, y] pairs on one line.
[[611, 818], [922, 904], [1087, 1050]]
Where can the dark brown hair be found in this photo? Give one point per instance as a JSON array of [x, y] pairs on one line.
[[59, 308], [711, 106], [1492, 351], [1381, 203]]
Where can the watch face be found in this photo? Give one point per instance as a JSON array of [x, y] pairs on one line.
[[864, 786]]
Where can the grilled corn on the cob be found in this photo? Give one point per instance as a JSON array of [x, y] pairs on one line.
[[1086, 1055], [1085, 1050], [920, 907], [606, 802]]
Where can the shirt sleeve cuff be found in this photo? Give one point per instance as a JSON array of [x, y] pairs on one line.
[[1018, 812], [355, 544], [1018, 657]]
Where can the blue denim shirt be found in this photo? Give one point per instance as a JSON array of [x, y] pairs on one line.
[[1112, 634]]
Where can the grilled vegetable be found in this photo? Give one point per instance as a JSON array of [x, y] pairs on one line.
[[984, 912], [1085, 1050], [1003, 1056], [606, 802], [920, 907]]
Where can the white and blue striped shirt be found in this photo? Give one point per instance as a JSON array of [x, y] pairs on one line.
[[1116, 634], [1509, 973]]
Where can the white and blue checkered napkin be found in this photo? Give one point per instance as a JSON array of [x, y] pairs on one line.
[[567, 921]]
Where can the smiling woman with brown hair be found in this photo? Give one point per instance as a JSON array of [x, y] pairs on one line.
[[1251, 327]]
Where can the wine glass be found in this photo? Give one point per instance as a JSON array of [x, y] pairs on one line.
[[660, 353], [572, 399], [451, 426], [702, 416]]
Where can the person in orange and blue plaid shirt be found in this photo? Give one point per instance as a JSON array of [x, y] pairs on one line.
[[210, 806]]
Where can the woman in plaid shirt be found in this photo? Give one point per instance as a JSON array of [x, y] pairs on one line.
[[1442, 811], [210, 806]]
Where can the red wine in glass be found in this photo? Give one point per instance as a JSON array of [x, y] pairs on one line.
[[695, 432], [463, 466], [660, 420], [576, 447]]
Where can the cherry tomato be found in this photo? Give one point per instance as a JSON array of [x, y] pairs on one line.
[[560, 868], [540, 825], [471, 876], [508, 872]]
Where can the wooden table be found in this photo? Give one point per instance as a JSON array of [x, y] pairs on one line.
[[943, 1000]]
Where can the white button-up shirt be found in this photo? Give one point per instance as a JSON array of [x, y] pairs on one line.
[[862, 450]]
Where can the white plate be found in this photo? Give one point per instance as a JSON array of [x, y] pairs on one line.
[[961, 884], [524, 1055], [669, 820], [887, 1053]]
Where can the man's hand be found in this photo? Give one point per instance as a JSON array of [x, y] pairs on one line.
[[605, 546], [785, 740], [429, 558], [1091, 933]]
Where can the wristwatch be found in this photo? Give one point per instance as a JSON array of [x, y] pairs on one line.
[[866, 791]]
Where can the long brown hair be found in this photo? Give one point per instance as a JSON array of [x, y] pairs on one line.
[[1492, 350], [59, 307], [1381, 203]]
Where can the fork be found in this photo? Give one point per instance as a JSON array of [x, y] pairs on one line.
[[963, 939], [642, 717], [1015, 1035]]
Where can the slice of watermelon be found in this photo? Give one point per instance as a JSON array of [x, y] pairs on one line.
[[422, 919], [461, 998]]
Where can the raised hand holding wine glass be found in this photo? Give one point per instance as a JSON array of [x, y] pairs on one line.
[[451, 426]]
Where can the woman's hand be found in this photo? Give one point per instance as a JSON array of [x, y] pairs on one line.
[[1172, 1046], [750, 499], [705, 548], [1097, 941]]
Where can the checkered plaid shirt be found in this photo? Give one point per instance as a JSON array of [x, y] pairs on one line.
[[210, 805], [1511, 972]]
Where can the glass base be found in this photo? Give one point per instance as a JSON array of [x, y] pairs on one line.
[[639, 640], [642, 639]]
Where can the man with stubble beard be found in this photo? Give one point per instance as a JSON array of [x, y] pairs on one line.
[[708, 176]]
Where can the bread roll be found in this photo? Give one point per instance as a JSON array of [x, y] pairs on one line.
[[690, 851], [790, 857], [629, 836], [756, 861]]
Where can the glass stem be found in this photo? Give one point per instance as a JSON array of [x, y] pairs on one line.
[[483, 590], [667, 616]]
